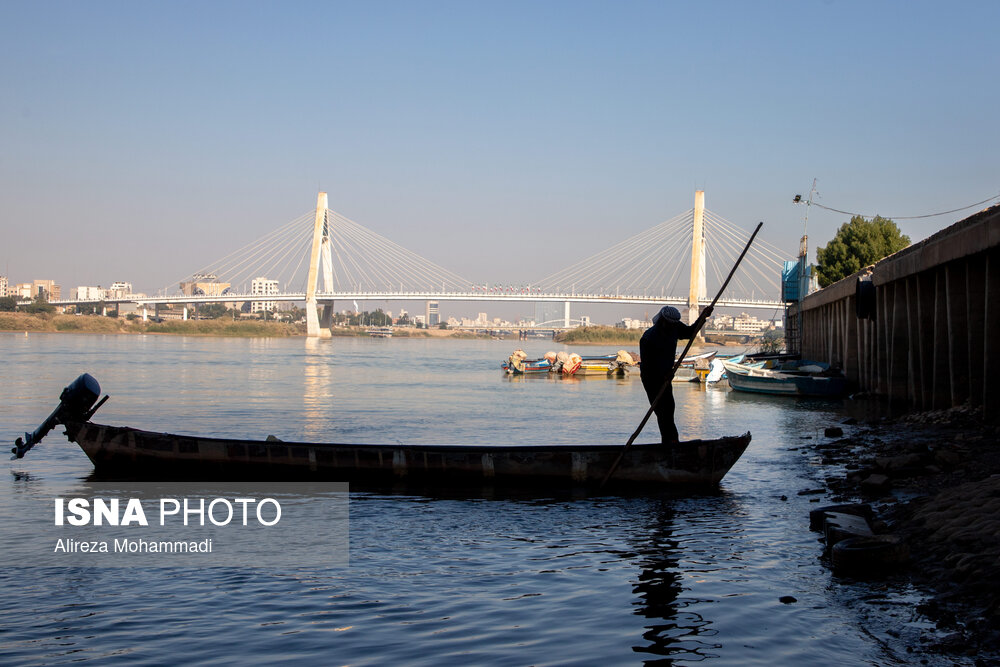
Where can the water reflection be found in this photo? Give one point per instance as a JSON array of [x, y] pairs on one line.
[[687, 562], [317, 396]]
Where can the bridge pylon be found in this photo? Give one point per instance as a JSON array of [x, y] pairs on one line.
[[316, 326], [697, 290]]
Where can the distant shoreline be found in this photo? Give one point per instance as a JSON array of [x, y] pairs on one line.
[[97, 324]]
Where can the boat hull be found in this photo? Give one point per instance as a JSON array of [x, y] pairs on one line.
[[121, 451], [535, 367], [600, 370], [788, 386]]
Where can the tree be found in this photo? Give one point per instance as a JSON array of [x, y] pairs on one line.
[[771, 341], [857, 244], [378, 318], [212, 311], [39, 305], [8, 304]]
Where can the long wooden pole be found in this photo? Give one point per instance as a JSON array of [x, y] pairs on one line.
[[670, 378]]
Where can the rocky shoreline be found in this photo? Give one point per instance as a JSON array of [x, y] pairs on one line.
[[932, 479]]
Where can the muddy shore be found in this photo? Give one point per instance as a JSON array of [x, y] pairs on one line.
[[933, 479]]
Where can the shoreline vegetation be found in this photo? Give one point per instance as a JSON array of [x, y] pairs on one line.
[[98, 324], [600, 335]]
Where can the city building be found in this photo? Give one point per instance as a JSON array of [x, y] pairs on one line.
[[721, 322], [83, 293], [46, 289], [750, 324], [118, 290], [206, 284], [21, 291], [433, 315], [263, 287], [3, 285], [629, 323]]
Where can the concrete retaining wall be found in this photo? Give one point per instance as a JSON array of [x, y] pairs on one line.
[[935, 337]]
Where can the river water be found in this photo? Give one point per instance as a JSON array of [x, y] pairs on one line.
[[439, 580]]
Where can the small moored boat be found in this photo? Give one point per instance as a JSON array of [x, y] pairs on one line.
[[795, 378], [519, 364]]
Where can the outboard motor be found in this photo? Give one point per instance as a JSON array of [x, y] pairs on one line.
[[76, 403]]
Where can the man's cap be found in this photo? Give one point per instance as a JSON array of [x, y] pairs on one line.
[[668, 312]]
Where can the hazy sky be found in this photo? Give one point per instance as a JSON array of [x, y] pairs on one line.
[[141, 140]]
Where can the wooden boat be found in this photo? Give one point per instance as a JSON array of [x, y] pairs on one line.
[[789, 379], [137, 454], [129, 451]]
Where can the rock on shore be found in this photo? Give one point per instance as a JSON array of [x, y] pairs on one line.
[[934, 479]]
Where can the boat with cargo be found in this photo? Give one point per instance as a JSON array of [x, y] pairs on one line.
[[617, 365]]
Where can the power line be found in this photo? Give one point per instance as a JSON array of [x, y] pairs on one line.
[[906, 217]]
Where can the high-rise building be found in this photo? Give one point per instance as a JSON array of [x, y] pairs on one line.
[[433, 314], [263, 287], [3, 286]]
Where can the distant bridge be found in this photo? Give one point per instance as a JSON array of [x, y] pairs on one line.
[[325, 297], [642, 270]]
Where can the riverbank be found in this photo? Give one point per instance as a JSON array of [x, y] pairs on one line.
[[96, 324], [933, 479]]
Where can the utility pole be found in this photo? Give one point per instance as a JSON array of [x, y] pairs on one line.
[[793, 314]]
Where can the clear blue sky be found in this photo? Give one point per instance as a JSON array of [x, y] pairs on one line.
[[140, 140]]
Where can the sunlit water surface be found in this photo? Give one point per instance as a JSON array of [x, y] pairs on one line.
[[440, 579]]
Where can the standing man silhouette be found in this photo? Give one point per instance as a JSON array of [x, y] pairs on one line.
[[657, 349]]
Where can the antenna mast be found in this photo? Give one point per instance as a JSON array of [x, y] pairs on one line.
[[804, 243]]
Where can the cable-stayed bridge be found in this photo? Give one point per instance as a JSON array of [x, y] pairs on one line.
[[322, 257]]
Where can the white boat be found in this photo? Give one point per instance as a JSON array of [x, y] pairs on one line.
[[800, 378]]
